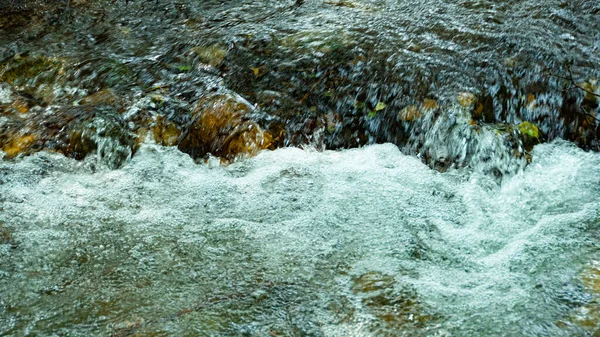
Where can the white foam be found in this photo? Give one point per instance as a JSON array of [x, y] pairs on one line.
[[473, 251]]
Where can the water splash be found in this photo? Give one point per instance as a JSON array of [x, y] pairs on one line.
[[368, 241]]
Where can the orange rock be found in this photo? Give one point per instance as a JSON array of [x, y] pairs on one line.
[[141, 134], [410, 113], [102, 97], [19, 106], [221, 126], [430, 104], [18, 144], [165, 132], [466, 99]]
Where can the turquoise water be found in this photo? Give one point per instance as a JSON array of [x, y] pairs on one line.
[[362, 242], [302, 240]]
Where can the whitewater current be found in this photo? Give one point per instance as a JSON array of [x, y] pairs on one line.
[[296, 242]]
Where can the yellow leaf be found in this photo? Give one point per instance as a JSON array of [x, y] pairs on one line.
[[529, 129], [380, 106], [255, 71]]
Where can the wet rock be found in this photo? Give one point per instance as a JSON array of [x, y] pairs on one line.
[[74, 131], [212, 55], [530, 134], [14, 144], [23, 68], [586, 315], [165, 131], [578, 114], [20, 106], [105, 134], [430, 104], [102, 97], [34, 75], [96, 74], [222, 126], [410, 113], [396, 310]]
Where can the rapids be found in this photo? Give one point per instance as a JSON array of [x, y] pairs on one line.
[[430, 169], [360, 242]]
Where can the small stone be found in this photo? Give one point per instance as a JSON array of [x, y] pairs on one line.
[[466, 99], [430, 104], [102, 97], [213, 55], [18, 144], [410, 113]]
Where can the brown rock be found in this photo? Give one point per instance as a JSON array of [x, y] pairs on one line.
[[430, 104], [102, 97], [165, 132], [73, 131], [19, 106], [17, 144], [466, 99], [221, 126], [410, 113]]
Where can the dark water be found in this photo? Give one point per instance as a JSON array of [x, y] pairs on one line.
[[463, 226], [317, 70]]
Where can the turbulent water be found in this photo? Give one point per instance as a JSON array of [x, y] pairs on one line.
[[364, 242], [138, 239], [319, 65]]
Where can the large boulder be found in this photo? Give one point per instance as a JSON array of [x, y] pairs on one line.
[[222, 126]]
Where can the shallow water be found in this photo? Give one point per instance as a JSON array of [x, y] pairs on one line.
[[323, 66], [363, 242]]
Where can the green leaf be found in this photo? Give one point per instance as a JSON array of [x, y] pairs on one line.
[[380, 106], [184, 68], [371, 114], [529, 129]]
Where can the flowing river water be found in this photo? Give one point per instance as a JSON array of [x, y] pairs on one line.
[[362, 242], [406, 168]]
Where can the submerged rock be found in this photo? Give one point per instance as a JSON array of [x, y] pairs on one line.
[[586, 311], [74, 131], [102, 97], [6, 236], [165, 131], [17, 143], [34, 75], [212, 55], [222, 126], [396, 310]]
